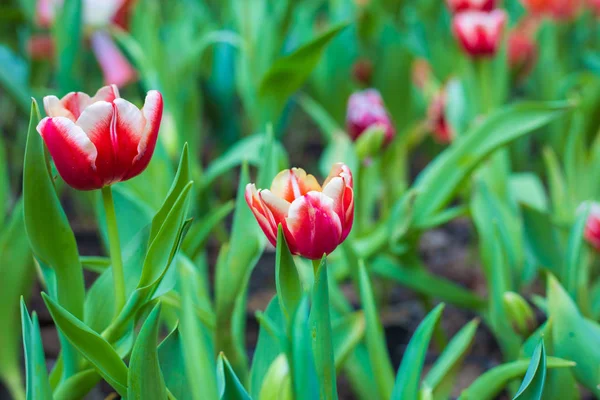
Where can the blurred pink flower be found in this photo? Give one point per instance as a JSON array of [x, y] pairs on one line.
[[592, 227], [457, 6], [365, 110], [522, 47], [560, 10], [479, 32], [436, 119]]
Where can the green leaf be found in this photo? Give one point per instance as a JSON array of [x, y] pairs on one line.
[[422, 281], [229, 386], [529, 189], [4, 182], [439, 181], [574, 337], [95, 263], [575, 276], [78, 385], [145, 379], [532, 386], [542, 238], [442, 375], [172, 364], [320, 323], [305, 378], [38, 386], [327, 124], [201, 230], [14, 79], [198, 349], [287, 279], [491, 383], [348, 332], [409, 373], [288, 73], [45, 218], [68, 33], [375, 337], [267, 349], [91, 345]]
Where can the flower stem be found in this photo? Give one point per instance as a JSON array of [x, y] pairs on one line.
[[115, 248], [316, 264]]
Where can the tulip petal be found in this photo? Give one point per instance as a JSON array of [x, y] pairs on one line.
[[76, 102], [258, 208], [55, 108], [96, 121], [129, 127], [73, 152], [106, 93], [313, 225], [115, 67], [152, 113], [100, 13], [293, 183]]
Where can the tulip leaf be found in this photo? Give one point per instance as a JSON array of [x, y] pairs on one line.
[[305, 380], [198, 349], [529, 190], [375, 337], [320, 323], [574, 269], [574, 337], [532, 386], [491, 383], [422, 281], [289, 287], [172, 364], [441, 377], [78, 385], [327, 124], [439, 181], [229, 386], [267, 349], [200, 230], [68, 34], [91, 345], [348, 332], [542, 238], [145, 379], [14, 79], [409, 373], [38, 386], [45, 218], [288, 73]]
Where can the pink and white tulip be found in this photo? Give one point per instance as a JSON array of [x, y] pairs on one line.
[[592, 227], [478, 32], [315, 219], [366, 110], [457, 6], [100, 140]]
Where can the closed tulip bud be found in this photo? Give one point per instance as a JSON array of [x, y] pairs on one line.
[[519, 313], [592, 226], [436, 119], [522, 48], [97, 141], [478, 32], [277, 383], [457, 6], [315, 219], [366, 109]]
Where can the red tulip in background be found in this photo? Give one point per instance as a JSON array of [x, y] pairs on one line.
[[457, 6], [592, 227], [315, 219], [478, 32], [97, 141], [594, 6], [97, 16], [522, 47], [561, 10], [366, 110], [436, 119]]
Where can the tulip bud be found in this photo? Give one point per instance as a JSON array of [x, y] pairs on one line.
[[522, 48], [478, 32], [315, 219], [97, 141], [592, 226], [277, 383], [519, 313], [457, 6], [436, 119], [362, 71], [366, 109]]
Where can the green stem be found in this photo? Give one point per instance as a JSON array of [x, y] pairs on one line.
[[486, 99], [115, 249], [316, 264]]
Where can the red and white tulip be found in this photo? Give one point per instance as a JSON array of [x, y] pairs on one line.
[[436, 119], [522, 47], [367, 110], [457, 6], [315, 219], [479, 32], [100, 140]]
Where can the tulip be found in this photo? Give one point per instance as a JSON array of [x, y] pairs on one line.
[[97, 141], [98, 15], [457, 6], [560, 10], [522, 48], [436, 119], [366, 110], [362, 71], [592, 226], [594, 6], [314, 219], [479, 32]]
